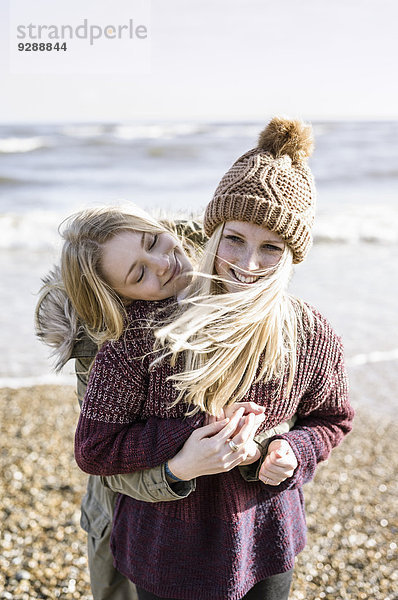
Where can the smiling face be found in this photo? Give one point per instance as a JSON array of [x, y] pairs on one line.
[[145, 266], [244, 250]]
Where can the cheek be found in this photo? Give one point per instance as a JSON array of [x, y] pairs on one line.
[[225, 255], [270, 261], [153, 289], [218, 266]]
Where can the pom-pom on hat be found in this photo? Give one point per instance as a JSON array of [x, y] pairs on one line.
[[271, 185]]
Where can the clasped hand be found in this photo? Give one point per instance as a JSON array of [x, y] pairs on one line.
[[279, 464], [211, 449]]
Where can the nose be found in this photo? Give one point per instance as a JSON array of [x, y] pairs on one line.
[[160, 264], [251, 261]]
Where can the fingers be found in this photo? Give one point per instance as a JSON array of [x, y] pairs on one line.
[[287, 461], [251, 407], [229, 428], [258, 419], [281, 447], [246, 430], [276, 469], [280, 452], [273, 477], [269, 481], [270, 471], [210, 430]]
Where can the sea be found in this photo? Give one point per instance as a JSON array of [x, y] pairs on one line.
[[49, 171]]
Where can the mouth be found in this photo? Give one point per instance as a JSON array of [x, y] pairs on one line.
[[176, 269], [244, 278]]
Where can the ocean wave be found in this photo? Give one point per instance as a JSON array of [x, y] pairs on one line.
[[38, 230], [83, 131], [177, 130], [35, 232], [155, 131], [365, 224], [373, 357], [16, 145]]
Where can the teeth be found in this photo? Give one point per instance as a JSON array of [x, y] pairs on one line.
[[244, 278]]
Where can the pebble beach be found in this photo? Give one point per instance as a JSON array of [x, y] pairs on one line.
[[351, 507]]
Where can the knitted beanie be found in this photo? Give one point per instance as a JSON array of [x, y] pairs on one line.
[[271, 186]]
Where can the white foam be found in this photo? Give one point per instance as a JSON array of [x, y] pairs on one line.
[[133, 132], [34, 231], [373, 357], [38, 230], [83, 131], [18, 145], [355, 224]]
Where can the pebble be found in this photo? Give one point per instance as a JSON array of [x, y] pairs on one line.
[[351, 552]]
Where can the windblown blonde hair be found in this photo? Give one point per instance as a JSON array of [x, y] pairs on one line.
[[98, 306], [231, 340]]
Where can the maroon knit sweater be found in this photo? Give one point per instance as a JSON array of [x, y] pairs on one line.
[[229, 534]]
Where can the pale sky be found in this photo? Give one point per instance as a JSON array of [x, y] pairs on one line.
[[226, 60]]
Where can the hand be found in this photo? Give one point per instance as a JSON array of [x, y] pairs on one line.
[[207, 450], [247, 427], [250, 407], [254, 415], [247, 430], [279, 464], [229, 411]]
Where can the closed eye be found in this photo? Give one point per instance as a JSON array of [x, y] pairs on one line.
[[141, 277], [154, 241]]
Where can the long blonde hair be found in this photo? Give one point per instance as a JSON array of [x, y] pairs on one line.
[[231, 340], [98, 306]]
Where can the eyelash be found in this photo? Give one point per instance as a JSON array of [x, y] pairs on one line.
[[236, 239], [141, 276], [155, 239], [271, 247], [151, 245]]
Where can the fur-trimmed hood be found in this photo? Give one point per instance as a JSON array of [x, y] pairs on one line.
[[57, 323]]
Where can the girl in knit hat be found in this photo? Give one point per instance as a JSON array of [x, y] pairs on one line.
[[239, 336]]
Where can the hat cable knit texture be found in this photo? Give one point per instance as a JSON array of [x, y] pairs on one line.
[[272, 186]]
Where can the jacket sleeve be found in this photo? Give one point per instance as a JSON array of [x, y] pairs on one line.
[[82, 368], [111, 437], [150, 485], [324, 418]]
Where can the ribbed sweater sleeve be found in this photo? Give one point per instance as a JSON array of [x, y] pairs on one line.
[[113, 449], [114, 434], [325, 414]]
